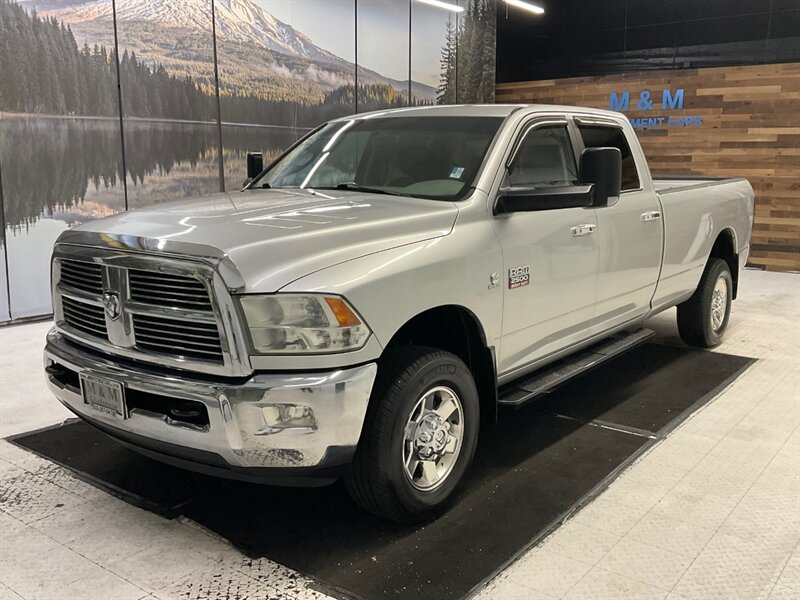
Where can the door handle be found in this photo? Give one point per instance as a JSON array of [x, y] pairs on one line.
[[582, 230], [652, 215]]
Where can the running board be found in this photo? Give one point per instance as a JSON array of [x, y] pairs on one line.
[[521, 391]]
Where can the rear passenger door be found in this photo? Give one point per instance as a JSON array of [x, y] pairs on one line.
[[630, 233]]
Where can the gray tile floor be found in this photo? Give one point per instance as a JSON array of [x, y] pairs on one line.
[[713, 511]]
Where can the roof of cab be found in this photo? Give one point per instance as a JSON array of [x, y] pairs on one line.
[[477, 110]]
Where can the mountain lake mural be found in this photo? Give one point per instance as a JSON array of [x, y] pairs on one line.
[[283, 67]]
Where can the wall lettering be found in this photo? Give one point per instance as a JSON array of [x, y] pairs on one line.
[[670, 100]]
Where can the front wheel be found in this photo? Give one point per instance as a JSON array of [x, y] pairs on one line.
[[419, 435], [703, 318]]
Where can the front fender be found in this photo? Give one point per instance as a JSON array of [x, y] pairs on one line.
[[389, 288]]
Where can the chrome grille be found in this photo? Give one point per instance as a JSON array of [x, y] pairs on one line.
[[161, 311], [87, 318], [84, 276], [162, 289], [187, 339]]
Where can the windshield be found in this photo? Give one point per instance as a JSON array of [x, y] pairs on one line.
[[427, 157]]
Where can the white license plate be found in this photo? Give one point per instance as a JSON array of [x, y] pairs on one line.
[[104, 396]]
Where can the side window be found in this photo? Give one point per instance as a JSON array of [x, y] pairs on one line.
[[613, 137], [545, 158]]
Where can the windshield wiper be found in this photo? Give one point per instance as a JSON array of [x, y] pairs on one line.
[[352, 186]]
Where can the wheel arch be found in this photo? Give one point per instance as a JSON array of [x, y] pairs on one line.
[[456, 329], [725, 247]]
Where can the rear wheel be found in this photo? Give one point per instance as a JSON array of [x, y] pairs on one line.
[[419, 435], [703, 318]]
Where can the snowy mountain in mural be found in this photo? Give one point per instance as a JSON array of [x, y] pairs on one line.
[[257, 52], [237, 20]]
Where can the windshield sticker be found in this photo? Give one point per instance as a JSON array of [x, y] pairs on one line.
[[457, 172]]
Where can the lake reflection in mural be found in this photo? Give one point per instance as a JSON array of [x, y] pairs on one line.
[[68, 171]]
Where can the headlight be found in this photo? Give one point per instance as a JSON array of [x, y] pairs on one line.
[[302, 323]]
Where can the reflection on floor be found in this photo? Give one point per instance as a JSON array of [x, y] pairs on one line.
[[712, 511]]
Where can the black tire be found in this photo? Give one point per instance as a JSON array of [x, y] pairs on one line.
[[377, 480], [695, 314]]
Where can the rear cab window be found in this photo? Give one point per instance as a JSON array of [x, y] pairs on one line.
[[601, 136]]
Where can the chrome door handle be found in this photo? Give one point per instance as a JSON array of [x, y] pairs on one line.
[[581, 230], [653, 215]]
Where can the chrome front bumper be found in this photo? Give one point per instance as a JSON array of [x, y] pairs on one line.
[[269, 422]]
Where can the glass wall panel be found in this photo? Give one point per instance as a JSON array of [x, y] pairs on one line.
[[168, 100], [5, 313], [475, 55], [383, 44], [453, 53], [433, 40], [284, 67], [60, 149]]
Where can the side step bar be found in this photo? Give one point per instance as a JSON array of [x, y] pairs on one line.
[[521, 391]]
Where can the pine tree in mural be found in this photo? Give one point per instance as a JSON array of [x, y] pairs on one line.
[[488, 52], [42, 70], [468, 56], [446, 92]]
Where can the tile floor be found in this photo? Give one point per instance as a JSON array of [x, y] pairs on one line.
[[713, 511]]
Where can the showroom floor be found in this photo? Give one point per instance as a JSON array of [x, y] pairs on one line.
[[711, 512]]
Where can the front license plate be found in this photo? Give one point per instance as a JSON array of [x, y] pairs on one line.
[[104, 395]]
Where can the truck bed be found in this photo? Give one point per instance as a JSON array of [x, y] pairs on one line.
[[670, 185]]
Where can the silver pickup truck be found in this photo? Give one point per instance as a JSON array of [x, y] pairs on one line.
[[369, 298]]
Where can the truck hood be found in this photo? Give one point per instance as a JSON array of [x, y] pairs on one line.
[[276, 236]]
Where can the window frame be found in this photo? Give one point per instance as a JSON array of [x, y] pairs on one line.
[[544, 124], [528, 124]]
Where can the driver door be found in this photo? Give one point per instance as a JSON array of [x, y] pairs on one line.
[[557, 248]]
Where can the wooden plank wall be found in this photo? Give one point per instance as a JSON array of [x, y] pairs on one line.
[[750, 127]]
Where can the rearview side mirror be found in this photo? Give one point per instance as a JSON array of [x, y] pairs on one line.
[[255, 164], [602, 167]]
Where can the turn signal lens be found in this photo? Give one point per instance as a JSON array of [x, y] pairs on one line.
[[343, 313]]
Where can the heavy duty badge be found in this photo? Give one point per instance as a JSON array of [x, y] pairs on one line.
[[519, 276]]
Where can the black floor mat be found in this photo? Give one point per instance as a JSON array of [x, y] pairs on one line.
[[530, 471], [645, 389]]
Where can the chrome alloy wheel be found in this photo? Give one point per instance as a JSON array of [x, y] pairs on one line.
[[719, 303], [432, 438]]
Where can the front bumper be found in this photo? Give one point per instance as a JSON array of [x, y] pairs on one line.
[[267, 425]]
